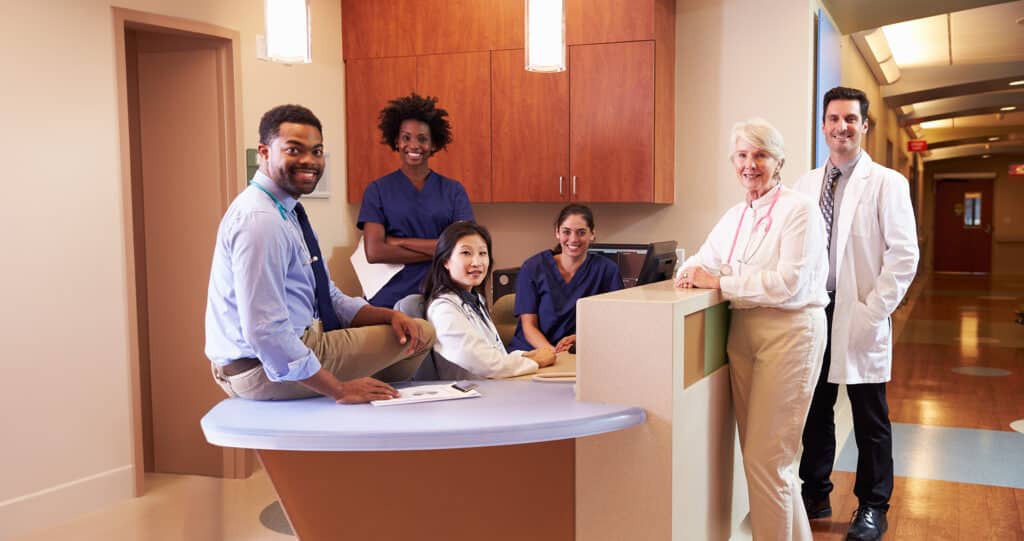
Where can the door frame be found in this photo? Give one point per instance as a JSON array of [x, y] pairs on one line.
[[237, 463], [937, 179]]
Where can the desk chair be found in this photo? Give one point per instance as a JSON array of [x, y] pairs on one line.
[[434, 367]]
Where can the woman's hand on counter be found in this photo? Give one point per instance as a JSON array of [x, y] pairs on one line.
[[542, 356], [697, 277]]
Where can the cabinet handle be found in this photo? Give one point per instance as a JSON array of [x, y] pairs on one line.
[[560, 192], [574, 185]]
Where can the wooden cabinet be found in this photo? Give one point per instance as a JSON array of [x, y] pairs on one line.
[[581, 137], [612, 122], [601, 132], [462, 84], [609, 21], [530, 148], [369, 85]]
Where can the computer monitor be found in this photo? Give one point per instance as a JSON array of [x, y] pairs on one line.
[[640, 263]]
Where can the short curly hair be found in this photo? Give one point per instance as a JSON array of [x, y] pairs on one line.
[[270, 123], [415, 107]]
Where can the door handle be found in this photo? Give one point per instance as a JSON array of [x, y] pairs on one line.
[[574, 185], [988, 229], [560, 192]]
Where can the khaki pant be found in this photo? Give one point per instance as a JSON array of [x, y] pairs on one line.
[[346, 353], [775, 357]]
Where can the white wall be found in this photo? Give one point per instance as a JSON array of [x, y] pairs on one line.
[[65, 394]]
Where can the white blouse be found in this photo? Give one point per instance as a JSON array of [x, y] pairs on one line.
[[778, 260], [466, 339]]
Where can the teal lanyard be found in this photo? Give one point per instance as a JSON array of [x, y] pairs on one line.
[[280, 207]]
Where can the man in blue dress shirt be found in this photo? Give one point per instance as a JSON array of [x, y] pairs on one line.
[[265, 334]]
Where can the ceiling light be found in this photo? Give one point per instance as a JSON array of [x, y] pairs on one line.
[[890, 71], [287, 27], [934, 124], [907, 110], [1017, 83], [985, 156], [920, 42], [993, 138], [1008, 108], [545, 35]]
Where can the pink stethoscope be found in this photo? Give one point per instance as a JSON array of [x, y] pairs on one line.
[[726, 269]]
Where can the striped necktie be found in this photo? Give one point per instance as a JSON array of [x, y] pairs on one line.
[[827, 202]]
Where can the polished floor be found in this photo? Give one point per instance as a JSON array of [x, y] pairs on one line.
[[959, 464]]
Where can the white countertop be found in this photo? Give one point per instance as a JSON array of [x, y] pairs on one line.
[[508, 413], [693, 300]]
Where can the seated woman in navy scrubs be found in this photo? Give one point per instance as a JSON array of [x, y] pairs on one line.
[[404, 212], [549, 284], [466, 335]]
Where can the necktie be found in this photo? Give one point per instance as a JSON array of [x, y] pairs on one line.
[[827, 202], [328, 317]]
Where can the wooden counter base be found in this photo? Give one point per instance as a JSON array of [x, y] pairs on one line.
[[511, 492]]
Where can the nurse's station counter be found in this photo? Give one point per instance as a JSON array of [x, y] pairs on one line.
[[640, 447]]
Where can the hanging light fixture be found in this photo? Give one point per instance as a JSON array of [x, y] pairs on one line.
[[287, 27], [545, 35]]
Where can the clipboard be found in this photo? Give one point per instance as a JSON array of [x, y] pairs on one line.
[[372, 276]]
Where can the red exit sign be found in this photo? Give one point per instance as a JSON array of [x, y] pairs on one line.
[[917, 145], [1017, 169]]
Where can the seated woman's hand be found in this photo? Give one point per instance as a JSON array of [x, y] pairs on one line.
[[565, 343], [542, 356]]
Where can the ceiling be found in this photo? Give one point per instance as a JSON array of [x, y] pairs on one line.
[[956, 61]]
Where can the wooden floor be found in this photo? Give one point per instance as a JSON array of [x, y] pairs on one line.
[[955, 320]]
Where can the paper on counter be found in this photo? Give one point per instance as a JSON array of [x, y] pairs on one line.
[[426, 393], [372, 276]]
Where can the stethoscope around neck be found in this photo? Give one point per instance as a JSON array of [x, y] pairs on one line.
[[726, 268]]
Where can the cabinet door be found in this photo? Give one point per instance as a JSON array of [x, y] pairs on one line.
[[608, 21], [462, 84], [369, 85], [612, 122], [531, 127]]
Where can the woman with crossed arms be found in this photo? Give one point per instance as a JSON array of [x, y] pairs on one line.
[[767, 256]]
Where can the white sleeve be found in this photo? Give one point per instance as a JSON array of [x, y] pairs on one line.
[[462, 342], [901, 254]]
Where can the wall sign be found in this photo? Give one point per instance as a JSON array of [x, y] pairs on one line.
[[917, 145]]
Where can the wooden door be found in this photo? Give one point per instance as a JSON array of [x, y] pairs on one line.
[[963, 225], [608, 21], [179, 183], [369, 85], [530, 152], [462, 84], [612, 122]]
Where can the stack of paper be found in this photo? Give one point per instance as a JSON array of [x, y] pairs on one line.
[[427, 393]]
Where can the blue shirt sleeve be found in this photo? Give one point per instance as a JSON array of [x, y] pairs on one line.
[[460, 204], [259, 245], [527, 297], [372, 209]]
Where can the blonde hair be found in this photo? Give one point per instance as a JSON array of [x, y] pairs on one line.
[[758, 132]]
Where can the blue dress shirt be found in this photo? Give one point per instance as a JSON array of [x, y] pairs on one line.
[[262, 290]]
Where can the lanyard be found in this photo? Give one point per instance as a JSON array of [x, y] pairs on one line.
[[767, 228], [280, 207]]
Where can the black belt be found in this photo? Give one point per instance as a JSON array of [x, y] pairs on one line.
[[238, 366]]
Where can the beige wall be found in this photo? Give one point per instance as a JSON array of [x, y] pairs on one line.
[[66, 391], [1008, 232]]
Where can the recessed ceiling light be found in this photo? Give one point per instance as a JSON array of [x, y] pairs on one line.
[[984, 156], [1009, 108], [993, 138], [1017, 83]]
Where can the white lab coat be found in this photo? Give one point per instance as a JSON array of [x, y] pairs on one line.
[[876, 259]]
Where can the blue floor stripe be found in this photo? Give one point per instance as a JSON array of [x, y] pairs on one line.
[[962, 455]]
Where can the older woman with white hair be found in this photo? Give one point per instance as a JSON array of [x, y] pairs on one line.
[[767, 255]]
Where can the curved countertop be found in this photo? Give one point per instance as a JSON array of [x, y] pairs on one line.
[[507, 413]]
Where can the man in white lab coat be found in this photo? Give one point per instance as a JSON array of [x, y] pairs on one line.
[[873, 257]]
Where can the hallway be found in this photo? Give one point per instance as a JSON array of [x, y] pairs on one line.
[[957, 386]]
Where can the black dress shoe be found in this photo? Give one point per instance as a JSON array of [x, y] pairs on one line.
[[869, 524], [818, 508]]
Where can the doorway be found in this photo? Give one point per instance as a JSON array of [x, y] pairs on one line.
[[963, 225], [179, 124]]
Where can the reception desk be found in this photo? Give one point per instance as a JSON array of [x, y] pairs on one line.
[[678, 476], [527, 460]]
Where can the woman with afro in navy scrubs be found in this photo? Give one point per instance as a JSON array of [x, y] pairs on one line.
[[549, 284], [404, 212]]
